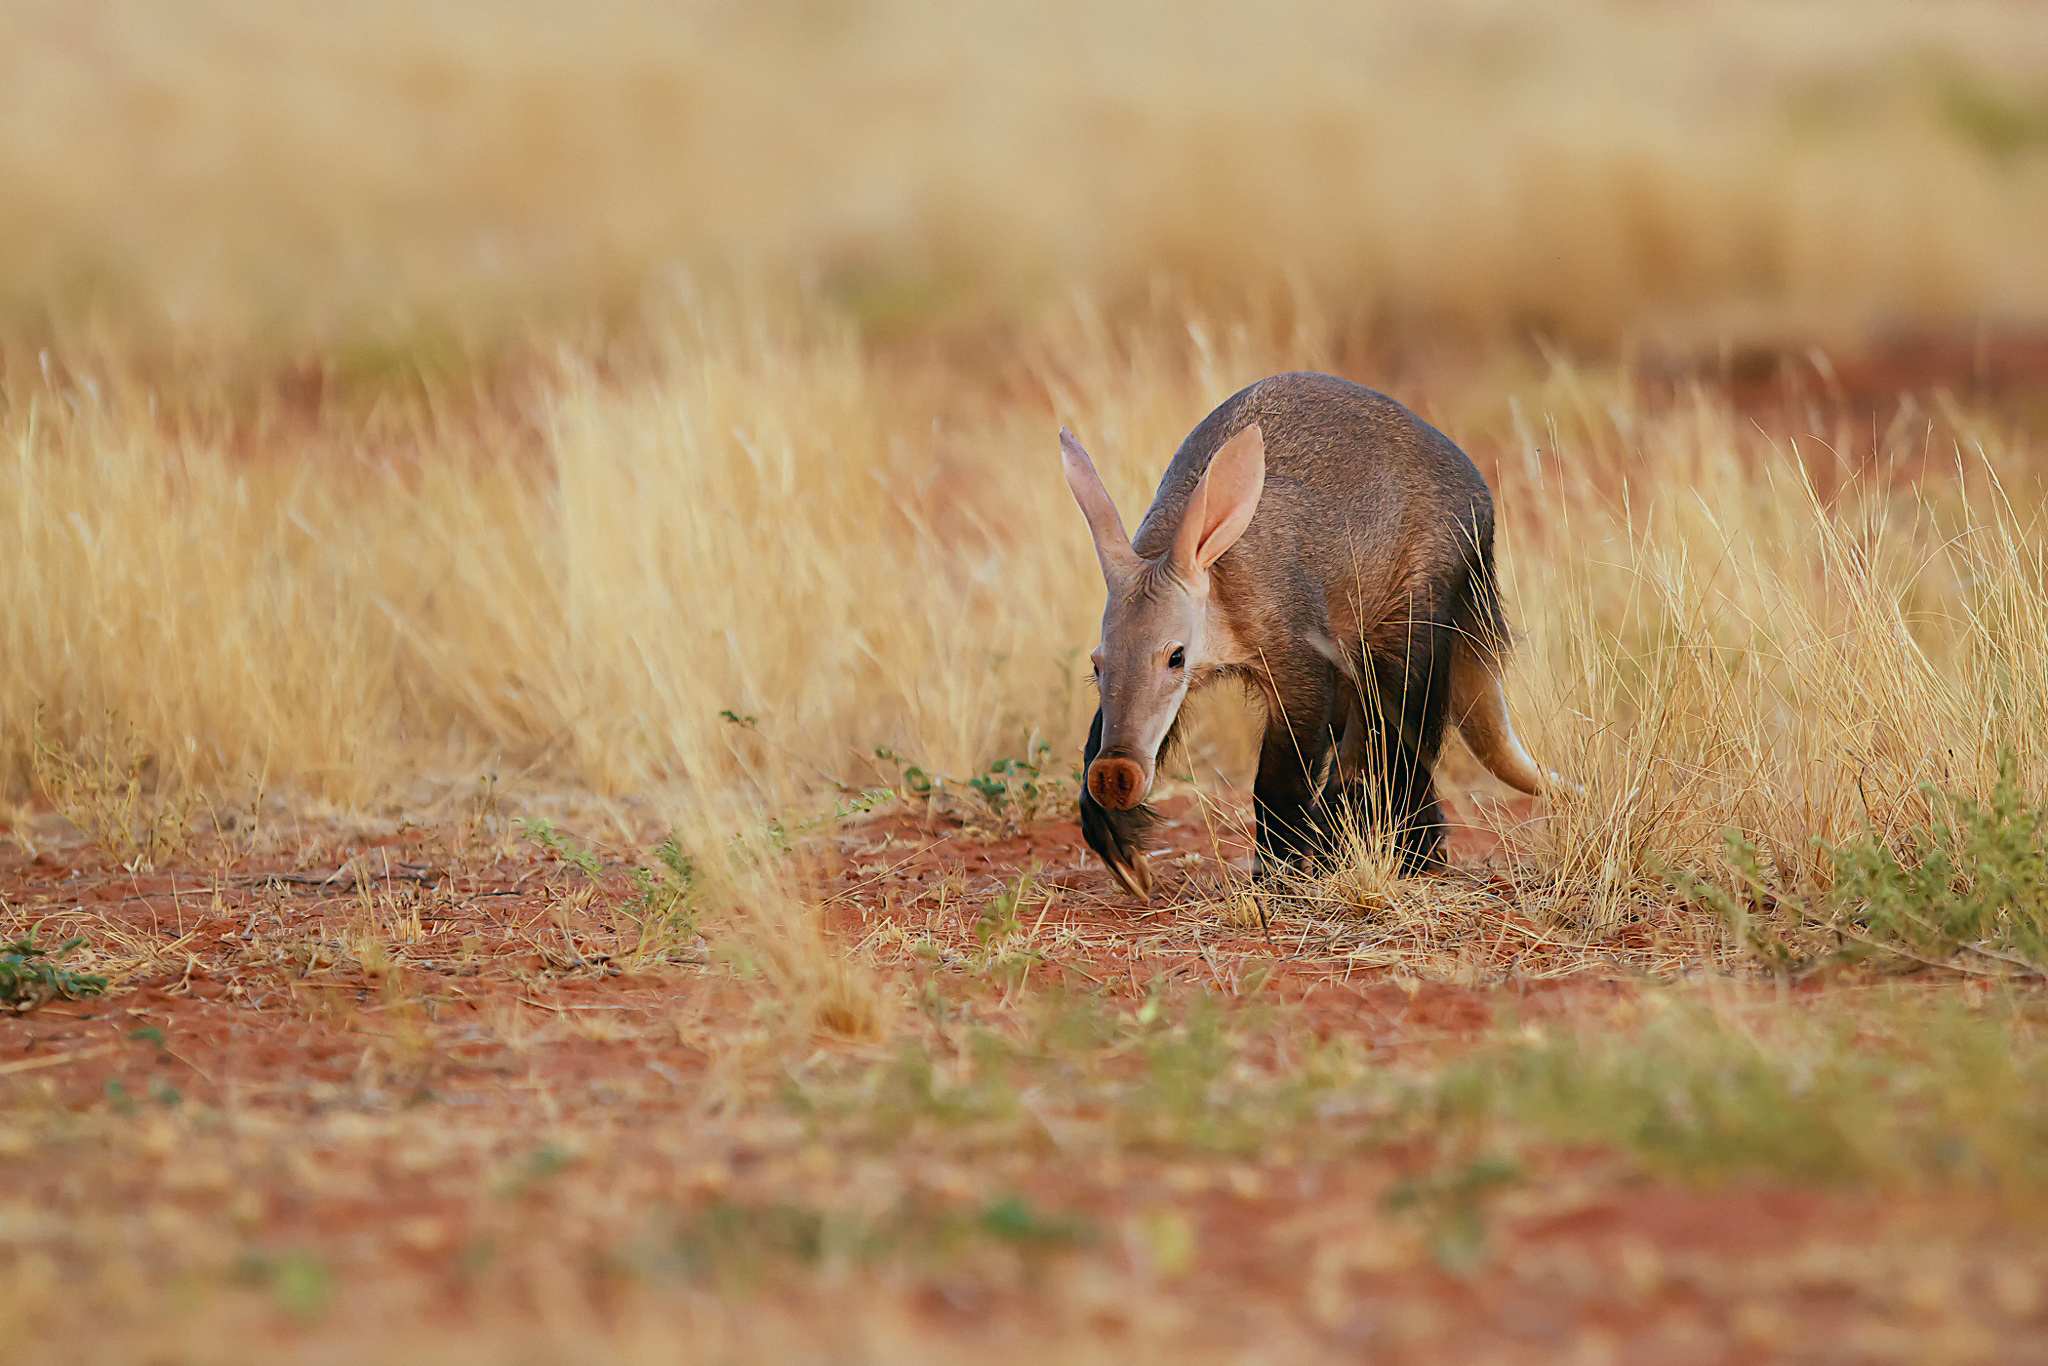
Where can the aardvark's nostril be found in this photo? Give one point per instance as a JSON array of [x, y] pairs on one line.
[[1118, 784]]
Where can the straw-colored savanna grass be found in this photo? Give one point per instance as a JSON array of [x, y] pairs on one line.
[[721, 580], [642, 418], [233, 175], [267, 515]]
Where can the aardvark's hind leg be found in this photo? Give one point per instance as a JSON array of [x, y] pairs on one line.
[[1408, 678]]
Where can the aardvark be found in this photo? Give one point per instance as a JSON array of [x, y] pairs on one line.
[[1320, 543]]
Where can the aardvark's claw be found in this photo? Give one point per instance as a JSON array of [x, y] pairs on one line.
[[1136, 876]]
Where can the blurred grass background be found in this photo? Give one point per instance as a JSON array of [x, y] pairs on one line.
[[390, 174]]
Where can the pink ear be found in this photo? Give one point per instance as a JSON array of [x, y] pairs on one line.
[[1112, 543], [1222, 504]]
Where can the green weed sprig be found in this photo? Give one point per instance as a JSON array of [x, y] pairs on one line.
[[30, 975]]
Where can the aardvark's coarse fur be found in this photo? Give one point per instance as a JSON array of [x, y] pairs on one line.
[[1319, 542]]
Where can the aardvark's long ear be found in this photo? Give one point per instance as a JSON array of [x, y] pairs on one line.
[[1222, 504], [1112, 545]]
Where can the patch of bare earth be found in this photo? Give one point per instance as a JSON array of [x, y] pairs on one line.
[[405, 1094]]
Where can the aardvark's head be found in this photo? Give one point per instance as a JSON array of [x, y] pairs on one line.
[[1159, 629]]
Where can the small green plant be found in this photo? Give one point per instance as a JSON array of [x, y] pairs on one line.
[[1016, 788], [1749, 909], [298, 1280], [912, 1090], [999, 918], [2002, 123], [1185, 1095], [660, 905], [1013, 1220], [533, 1170], [781, 835], [1003, 958], [1975, 882], [1009, 789], [543, 833], [916, 781], [1452, 1203], [1969, 884], [30, 975], [859, 804], [739, 1244]]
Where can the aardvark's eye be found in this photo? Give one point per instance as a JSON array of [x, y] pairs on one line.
[[1178, 659]]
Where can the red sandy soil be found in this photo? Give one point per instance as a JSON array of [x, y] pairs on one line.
[[259, 1010]]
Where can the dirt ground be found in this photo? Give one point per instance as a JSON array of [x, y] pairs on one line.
[[282, 1133], [415, 1088]]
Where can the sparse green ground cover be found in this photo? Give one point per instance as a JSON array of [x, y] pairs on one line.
[[429, 1090]]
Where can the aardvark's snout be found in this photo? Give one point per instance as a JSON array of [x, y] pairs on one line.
[[1118, 784]]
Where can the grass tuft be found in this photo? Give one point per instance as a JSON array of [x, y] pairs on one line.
[[104, 788], [1966, 889]]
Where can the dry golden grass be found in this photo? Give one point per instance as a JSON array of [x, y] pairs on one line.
[[1717, 643], [372, 569], [721, 582], [226, 174], [642, 416]]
